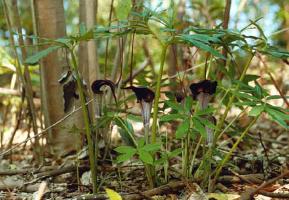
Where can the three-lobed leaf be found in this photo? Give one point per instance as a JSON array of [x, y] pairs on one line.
[[151, 147], [146, 157]]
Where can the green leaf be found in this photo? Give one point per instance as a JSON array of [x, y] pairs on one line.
[[36, 57], [276, 97], [278, 116], [146, 157], [189, 39], [141, 143], [112, 195], [277, 112], [122, 9], [183, 128], [126, 131], [257, 110], [151, 147], [171, 117], [135, 118], [206, 111], [125, 149], [199, 127], [175, 106], [247, 96], [246, 103], [273, 51], [250, 77], [63, 41], [206, 122], [161, 160], [124, 157], [175, 152], [188, 103]]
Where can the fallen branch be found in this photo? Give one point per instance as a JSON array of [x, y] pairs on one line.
[[165, 189], [247, 195]]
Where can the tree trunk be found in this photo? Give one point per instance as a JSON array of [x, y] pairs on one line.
[[88, 62], [51, 24]]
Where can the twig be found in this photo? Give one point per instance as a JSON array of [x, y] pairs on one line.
[[56, 172], [265, 149], [137, 72], [273, 80], [170, 187], [137, 192], [7, 91], [249, 194], [44, 131], [41, 190]]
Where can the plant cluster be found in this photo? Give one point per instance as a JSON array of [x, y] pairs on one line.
[[200, 125]]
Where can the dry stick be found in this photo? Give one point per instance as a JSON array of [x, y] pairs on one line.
[[264, 193], [273, 80], [45, 130], [165, 189], [137, 192], [137, 72], [57, 172], [249, 195], [265, 149], [8, 91]]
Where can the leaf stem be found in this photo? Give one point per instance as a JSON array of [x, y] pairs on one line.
[[88, 131], [231, 100], [229, 154], [157, 95]]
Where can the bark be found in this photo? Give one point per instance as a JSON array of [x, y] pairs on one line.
[[88, 62], [51, 24]]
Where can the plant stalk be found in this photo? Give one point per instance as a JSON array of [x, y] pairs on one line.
[[86, 123], [231, 100], [229, 154], [157, 93]]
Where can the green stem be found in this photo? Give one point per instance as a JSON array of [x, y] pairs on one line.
[[157, 93], [231, 100], [229, 154], [194, 157], [86, 123]]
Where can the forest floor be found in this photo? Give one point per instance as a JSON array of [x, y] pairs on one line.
[[259, 168]]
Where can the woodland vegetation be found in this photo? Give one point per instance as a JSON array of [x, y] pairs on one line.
[[147, 99]]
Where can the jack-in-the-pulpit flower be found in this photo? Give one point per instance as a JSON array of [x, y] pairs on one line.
[[96, 88], [203, 92], [145, 97]]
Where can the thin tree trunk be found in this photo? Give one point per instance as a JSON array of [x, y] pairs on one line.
[[51, 24], [173, 50], [88, 61], [44, 108], [16, 23]]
